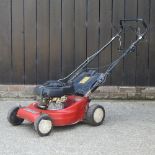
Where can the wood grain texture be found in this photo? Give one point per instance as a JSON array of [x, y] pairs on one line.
[[55, 39], [47, 39], [143, 47], [67, 36], [130, 60], [80, 31], [5, 42], [118, 13], [93, 31], [152, 45], [42, 40], [18, 41], [30, 41], [105, 35]]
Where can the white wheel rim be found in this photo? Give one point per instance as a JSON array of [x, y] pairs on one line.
[[98, 115], [45, 126]]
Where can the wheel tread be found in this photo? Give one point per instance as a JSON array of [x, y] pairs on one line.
[[90, 113]]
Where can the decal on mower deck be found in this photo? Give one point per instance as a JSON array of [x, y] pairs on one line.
[[84, 80], [30, 110]]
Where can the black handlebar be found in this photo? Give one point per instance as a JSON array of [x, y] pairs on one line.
[[92, 57], [132, 20]]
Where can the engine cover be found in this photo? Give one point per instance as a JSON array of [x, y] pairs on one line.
[[54, 89], [80, 85]]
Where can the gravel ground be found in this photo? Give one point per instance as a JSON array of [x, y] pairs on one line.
[[128, 129]]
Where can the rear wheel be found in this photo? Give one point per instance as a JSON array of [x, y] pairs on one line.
[[43, 125], [12, 116], [95, 115]]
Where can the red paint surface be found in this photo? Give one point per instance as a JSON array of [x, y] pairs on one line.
[[74, 111]]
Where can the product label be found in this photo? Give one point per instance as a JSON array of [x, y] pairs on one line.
[[85, 79]]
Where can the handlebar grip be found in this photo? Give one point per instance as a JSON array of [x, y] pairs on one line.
[[130, 20]]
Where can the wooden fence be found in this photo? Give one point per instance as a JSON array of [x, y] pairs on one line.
[[47, 39]]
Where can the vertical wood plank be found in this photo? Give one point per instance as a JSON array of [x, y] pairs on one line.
[[42, 40], [142, 48], [80, 31], [30, 41], [130, 60], [17, 42], [93, 31], [67, 36], [55, 39], [105, 35], [152, 45], [118, 13], [5, 42]]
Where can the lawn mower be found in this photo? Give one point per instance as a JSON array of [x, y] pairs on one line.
[[66, 101]]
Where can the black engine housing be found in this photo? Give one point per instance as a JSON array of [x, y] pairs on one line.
[[80, 85]]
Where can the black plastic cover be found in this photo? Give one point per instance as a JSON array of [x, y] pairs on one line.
[[54, 89], [80, 85], [85, 82]]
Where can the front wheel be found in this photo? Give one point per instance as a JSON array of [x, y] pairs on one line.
[[95, 115], [12, 116], [43, 125]]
